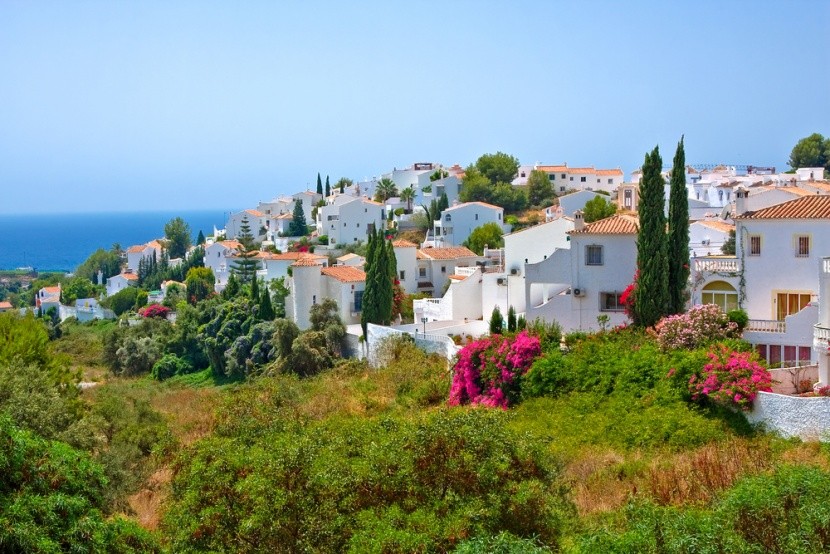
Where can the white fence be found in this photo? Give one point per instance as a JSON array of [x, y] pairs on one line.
[[792, 416]]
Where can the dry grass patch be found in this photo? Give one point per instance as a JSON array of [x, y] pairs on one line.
[[147, 503], [190, 412]]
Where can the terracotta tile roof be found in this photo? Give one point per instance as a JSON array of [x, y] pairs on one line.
[[717, 225], [288, 255], [155, 244], [821, 185], [129, 276], [232, 244], [806, 207], [5, 305], [349, 256], [458, 277], [136, 249], [52, 290], [614, 225], [484, 204], [368, 201], [345, 273], [255, 213], [420, 255], [798, 191], [306, 261], [581, 170], [552, 168], [448, 253], [401, 243], [617, 171], [285, 216]]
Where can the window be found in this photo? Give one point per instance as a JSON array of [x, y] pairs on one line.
[[610, 302], [593, 254], [422, 272], [598, 180], [755, 245], [561, 189], [802, 246], [563, 176], [448, 217], [358, 301], [443, 269], [476, 217], [572, 179], [403, 274], [553, 177], [720, 293], [583, 179], [789, 303], [610, 181]]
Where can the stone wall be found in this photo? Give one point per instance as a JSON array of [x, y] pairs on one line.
[[792, 416], [786, 379]]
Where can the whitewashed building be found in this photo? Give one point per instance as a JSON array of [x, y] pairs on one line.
[[457, 223], [137, 252], [349, 220], [119, 282], [311, 283]]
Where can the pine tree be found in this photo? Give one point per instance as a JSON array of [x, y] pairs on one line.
[[328, 187], [231, 288], [443, 203], [246, 264], [298, 226], [201, 238], [319, 185], [266, 309], [651, 300], [678, 241]]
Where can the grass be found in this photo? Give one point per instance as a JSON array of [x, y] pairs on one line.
[[204, 378], [81, 344]]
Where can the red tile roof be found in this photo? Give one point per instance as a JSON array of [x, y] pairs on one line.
[[306, 261], [609, 171], [615, 225], [345, 273], [806, 207], [717, 224], [484, 204], [5, 305], [401, 243], [447, 253]]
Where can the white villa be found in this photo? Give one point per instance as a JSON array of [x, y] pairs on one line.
[[347, 220], [564, 178], [119, 282], [311, 283], [139, 251], [456, 224]]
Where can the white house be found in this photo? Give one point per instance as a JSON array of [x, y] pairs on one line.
[[407, 262], [275, 266], [48, 297], [564, 178], [256, 223], [119, 282], [773, 276], [6, 306], [577, 200], [139, 251], [216, 255], [579, 286], [435, 265], [311, 283], [348, 220], [707, 236], [457, 223], [351, 259]]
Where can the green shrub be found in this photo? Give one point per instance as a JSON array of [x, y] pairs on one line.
[[739, 318], [170, 365]]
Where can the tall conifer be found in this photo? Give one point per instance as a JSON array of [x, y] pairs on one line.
[[246, 264], [328, 187], [678, 243], [319, 184], [651, 300], [266, 309], [368, 312]]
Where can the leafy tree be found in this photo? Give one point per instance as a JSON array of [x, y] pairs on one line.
[[328, 187], [598, 208], [177, 232], [498, 167], [79, 287], [125, 300], [298, 226], [170, 365], [728, 248], [280, 292], [512, 199], [651, 300], [678, 239], [439, 174], [539, 189], [496, 321], [324, 314], [812, 151], [245, 265], [285, 332], [475, 187], [137, 355], [489, 234], [107, 261], [385, 190], [255, 291], [342, 183], [232, 288], [378, 298], [201, 238], [319, 184], [200, 283]]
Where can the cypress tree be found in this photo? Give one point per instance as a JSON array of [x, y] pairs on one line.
[[496, 321], [255, 290], [231, 288], [678, 242], [266, 309], [368, 313], [319, 184], [511, 319], [298, 226], [201, 238], [651, 301], [328, 187]]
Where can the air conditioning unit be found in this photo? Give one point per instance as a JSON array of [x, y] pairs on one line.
[[514, 271], [579, 292], [704, 242], [501, 281]]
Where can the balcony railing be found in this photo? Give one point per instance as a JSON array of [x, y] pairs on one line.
[[465, 271], [732, 265], [766, 326], [821, 332]]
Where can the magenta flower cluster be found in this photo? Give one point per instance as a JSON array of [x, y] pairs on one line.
[[698, 326], [488, 371], [154, 310], [731, 378]]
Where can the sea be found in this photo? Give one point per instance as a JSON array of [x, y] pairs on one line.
[[61, 242]]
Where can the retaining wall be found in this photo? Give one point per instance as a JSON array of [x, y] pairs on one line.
[[792, 416]]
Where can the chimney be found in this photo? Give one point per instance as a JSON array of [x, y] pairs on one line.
[[741, 194], [579, 221]]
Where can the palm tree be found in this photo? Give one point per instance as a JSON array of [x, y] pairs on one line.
[[408, 195], [385, 190]]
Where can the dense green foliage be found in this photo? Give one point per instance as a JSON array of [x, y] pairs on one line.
[[298, 226], [651, 299], [598, 208], [811, 151], [178, 235], [489, 235], [539, 189], [378, 297], [489, 180], [106, 261], [678, 239], [245, 266]]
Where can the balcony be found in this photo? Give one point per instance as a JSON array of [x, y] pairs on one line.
[[716, 264], [766, 326], [821, 332]]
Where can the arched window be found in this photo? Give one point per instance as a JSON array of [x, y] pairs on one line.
[[721, 294]]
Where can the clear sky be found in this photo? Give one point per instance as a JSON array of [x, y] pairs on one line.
[[176, 105]]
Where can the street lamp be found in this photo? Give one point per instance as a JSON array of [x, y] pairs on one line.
[[424, 321]]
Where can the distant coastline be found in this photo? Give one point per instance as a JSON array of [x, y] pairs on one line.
[[60, 242]]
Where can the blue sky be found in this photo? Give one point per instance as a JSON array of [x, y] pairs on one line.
[[177, 105]]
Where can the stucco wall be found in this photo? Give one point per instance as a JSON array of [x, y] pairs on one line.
[[792, 416]]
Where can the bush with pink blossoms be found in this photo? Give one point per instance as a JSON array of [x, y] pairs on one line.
[[154, 310], [489, 371], [698, 326], [731, 378]]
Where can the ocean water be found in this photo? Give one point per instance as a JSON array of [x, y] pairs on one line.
[[61, 242]]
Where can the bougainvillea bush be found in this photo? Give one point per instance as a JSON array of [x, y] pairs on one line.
[[154, 310], [698, 326], [730, 378], [489, 371]]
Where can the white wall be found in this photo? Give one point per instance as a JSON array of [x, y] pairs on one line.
[[792, 416], [535, 244]]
